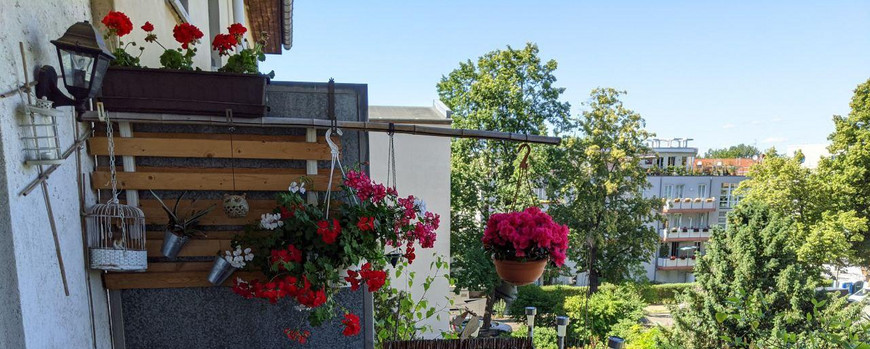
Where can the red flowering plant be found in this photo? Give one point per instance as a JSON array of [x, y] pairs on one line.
[[117, 26], [529, 235], [246, 60], [307, 255]]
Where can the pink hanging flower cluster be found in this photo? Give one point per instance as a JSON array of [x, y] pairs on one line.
[[531, 234], [365, 188]]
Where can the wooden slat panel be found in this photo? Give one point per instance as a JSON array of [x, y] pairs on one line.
[[118, 281], [154, 214], [223, 136], [209, 179], [211, 148], [165, 267], [210, 235], [193, 248]]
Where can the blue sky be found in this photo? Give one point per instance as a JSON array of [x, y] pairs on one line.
[[770, 74]]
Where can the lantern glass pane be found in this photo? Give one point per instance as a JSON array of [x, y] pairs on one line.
[[77, 69]]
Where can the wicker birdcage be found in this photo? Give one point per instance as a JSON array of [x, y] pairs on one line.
[[116, 237]]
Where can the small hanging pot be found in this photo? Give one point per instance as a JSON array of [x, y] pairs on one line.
[[172, 244], [519, 273], [236, 206], [220, 271]]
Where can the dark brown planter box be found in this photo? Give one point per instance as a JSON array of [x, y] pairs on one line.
[[167, 91]]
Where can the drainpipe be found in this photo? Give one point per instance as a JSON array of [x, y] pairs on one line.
[[239, 17]]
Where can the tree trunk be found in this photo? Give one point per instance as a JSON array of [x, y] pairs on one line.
[[593, 271], [487, 313]]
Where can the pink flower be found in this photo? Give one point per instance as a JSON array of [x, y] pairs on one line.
[[524, 234]]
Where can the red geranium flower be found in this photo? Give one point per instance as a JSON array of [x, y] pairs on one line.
[[118, 23], [327, 233], [297, 336], [237, 29], [353, 279], [223, 43], [186, 34], [148, 27], [366, 223], [351, 323]]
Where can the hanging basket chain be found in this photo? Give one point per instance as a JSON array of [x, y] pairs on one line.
[[391, 158], [232, 130], [114, 202], [336, 159], [522, 174]]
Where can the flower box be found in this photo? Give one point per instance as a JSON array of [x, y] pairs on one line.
[[167, 91]]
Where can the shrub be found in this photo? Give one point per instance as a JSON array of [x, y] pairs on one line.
[[663, 293], [638, 336], [548, 301], [545, 337], [606, 308]]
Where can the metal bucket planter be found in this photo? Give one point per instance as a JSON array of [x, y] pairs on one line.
[[220, 271], [172, 244]]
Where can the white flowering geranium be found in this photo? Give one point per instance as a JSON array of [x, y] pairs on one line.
[[238, 258], [295, 187], [271, 221]]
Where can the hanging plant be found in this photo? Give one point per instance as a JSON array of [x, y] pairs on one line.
[[521, 243], [307, 253]]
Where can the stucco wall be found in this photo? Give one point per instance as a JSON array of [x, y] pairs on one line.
[[423, 170], [35, 312]]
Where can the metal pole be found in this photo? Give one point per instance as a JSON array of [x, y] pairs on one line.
[[561, 329]]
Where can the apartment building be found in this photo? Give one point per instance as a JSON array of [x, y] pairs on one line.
[[697, 195]]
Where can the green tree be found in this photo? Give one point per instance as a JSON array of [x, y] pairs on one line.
[[754, 261], [735, 151], [597, 188], [847, 172], [510, 90]]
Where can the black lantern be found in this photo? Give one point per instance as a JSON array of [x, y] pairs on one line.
[[84, 59]]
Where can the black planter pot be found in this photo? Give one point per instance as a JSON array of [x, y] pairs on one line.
[[167, 91]]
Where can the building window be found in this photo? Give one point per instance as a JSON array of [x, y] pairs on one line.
[[702, 190], [679, 191], [727, 199], [669, 191], [723, 219], [672, 160]]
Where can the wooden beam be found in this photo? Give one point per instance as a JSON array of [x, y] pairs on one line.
[[168, 178], [185, 147], [154, 214], [321, 123], [119, 281]]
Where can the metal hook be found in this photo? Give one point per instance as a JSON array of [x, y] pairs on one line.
[[333, 148], [525, 162]]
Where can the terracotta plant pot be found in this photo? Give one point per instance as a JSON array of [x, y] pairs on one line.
[[519, 273]]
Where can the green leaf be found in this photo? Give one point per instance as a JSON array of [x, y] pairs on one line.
[[720, 317]]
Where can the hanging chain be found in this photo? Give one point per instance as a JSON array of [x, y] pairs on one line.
[[391, 158], [232, 129], [114, 201], [523, 175]]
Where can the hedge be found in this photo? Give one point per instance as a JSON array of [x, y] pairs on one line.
[[663, 293]]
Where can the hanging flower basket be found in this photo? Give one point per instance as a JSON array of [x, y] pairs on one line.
[[521, 243], [308, 252]]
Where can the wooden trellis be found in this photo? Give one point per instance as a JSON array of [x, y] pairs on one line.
[[203, 146]]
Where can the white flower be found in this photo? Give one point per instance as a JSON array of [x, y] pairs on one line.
[[249, 257], [420, 205], [247, 250], [294, 187], [271, 221]]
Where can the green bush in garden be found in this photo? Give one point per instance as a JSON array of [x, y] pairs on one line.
[[604, 309], [663, 293], [638, 336], [548, 301], [545, 337]]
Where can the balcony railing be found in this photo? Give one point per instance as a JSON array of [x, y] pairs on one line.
[[690, 234], [686, 263], [685, 205]]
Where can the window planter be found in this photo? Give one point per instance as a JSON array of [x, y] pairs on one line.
[[184, 92]]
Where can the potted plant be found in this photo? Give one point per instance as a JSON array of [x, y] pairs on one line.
[[693, 257], [683, 257], [521, 243], [684, 229], [305, 250], [673, 230], [696, 229], [231, 261], [180, 228], [179, 88], [705, 229], [673, 258]]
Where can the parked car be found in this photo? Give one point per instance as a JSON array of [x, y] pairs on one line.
[[858, 296]]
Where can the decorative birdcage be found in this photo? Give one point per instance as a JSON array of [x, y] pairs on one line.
[[41, 145], [116, 232]]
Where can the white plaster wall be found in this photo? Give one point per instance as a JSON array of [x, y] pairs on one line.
[[35, 312], [423, 171]]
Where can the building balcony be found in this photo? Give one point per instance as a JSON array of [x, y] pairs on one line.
[[686, 263], [689, 205], [690, 234]]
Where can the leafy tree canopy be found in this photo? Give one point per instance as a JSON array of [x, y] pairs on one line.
[[732, 152], [597, 188]]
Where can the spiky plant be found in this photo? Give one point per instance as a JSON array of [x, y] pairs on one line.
[[184, 226]]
